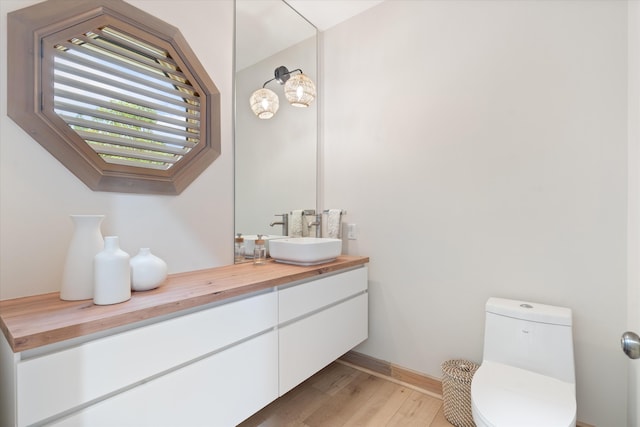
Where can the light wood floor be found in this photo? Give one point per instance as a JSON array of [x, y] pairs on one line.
[[341, 395]]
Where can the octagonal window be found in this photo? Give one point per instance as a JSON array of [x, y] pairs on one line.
[[114, 93]]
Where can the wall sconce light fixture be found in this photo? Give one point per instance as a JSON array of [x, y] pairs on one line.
[[299, 90]]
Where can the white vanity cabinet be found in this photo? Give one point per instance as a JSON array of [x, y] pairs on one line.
[[319, 322], [190, 367], [169, 361], [219, 390]]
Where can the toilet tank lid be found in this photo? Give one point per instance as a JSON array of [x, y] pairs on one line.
[[529, 311]]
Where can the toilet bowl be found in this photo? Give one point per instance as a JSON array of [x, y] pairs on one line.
[[527, 377], [505, 396]]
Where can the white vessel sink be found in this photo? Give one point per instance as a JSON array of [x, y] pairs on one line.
[[305, 250]]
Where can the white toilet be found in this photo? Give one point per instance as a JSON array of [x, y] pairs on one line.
[[527, 376]]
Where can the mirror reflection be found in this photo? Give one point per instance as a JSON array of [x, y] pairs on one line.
[[275, 159]]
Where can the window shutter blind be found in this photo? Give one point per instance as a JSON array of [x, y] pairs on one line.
[[127, 99]]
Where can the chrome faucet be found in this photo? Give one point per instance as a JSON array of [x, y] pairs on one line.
[[318, 224], [284, 223]]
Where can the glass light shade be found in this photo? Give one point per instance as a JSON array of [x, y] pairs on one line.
[[264, 103], [300, 90]]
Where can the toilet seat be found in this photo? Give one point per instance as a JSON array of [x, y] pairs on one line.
[[506, 396]]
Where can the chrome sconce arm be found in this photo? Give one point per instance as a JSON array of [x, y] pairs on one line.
[[281, 75]]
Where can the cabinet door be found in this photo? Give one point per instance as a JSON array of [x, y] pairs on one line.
[[54, 383], [300, 300], [218, 391], [311, 343]]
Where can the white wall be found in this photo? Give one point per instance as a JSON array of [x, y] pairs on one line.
[[481, 148], [190, 231]]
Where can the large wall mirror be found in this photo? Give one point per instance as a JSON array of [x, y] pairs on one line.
[[275, 159]]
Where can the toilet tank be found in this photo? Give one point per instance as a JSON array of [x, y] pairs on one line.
[[531, 336]]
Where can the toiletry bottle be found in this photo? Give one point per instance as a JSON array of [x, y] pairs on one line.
[[259, 251], [238, 254]]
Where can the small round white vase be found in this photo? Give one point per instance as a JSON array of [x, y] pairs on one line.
[[86, 242], [112, 274], [147, 271]]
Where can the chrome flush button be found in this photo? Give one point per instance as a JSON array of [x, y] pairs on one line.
[[526, 306]]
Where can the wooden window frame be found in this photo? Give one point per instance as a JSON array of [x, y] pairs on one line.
[[30, 84]]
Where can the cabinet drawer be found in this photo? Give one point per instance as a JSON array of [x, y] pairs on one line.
[[53, 383], [310, 344], [299, 300], [220, 390]]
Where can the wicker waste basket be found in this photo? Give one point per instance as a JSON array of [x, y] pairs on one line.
[[456, 391]]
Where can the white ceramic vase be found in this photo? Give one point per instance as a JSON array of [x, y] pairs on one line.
[[112, 274], [147, 271], [86, 242]]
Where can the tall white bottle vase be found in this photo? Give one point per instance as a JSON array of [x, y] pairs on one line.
[[86, 242], [111, 273]]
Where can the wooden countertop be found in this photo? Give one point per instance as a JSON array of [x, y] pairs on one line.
[[39, 320]]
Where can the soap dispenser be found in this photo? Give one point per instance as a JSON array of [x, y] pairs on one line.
[[259, 251], [238, 253]]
